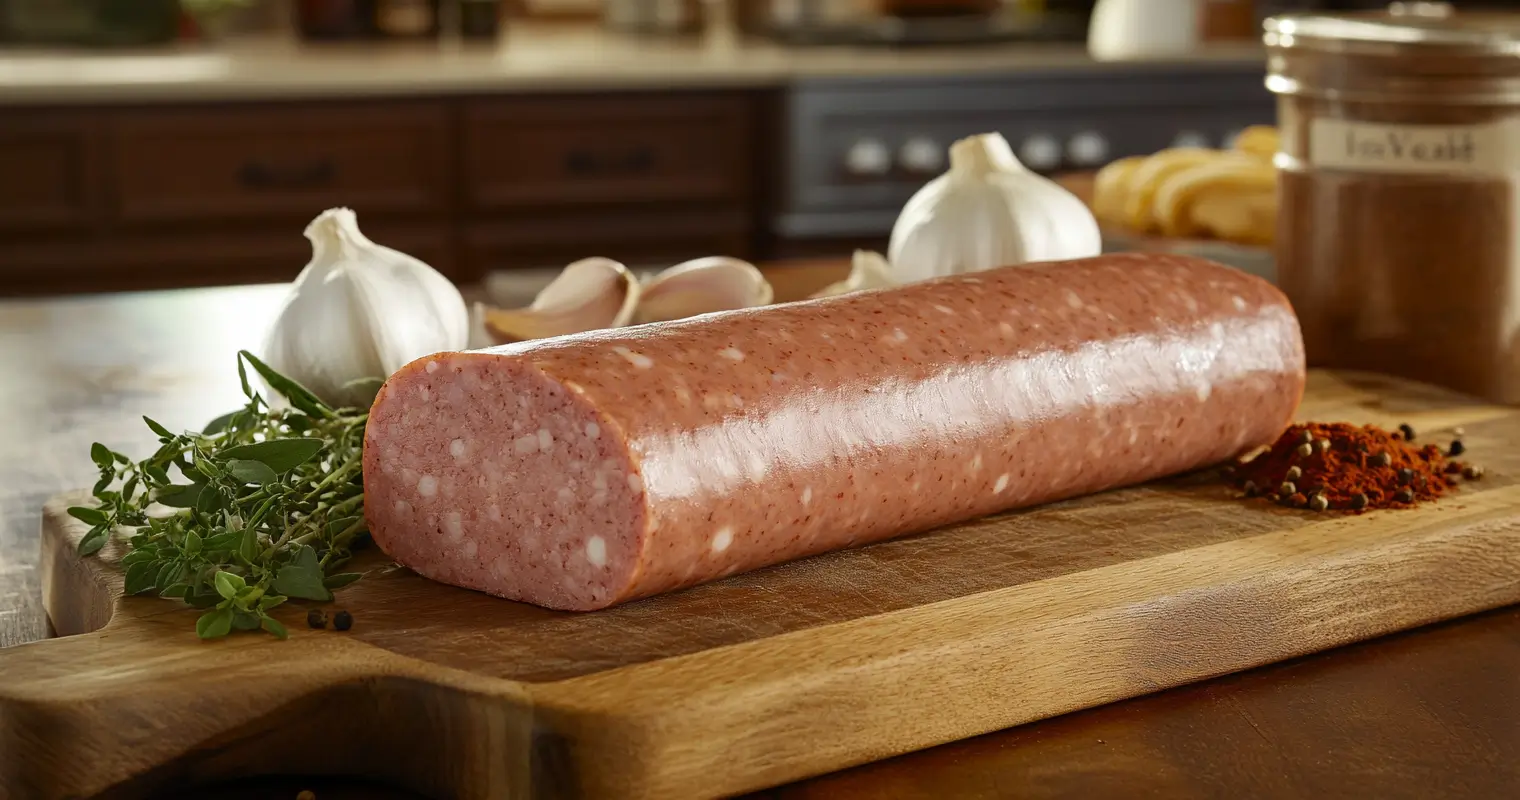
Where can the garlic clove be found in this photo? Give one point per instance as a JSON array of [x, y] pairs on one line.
[[868, 270], [988, 211], [590, 294], [700, 286]]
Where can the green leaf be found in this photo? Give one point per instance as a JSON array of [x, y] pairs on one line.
[[243, 377], [192, 543], [210, 500], [222, 540], [220, 423], [100, 485], [245, 620], [175, 590], [228, 584], [93, 516], [341, 579], [279, 455], [139, 554], [299, 396], [157, 472], [179, 495], [273, 626], [101, 455], [93, 541], [302, 577], [202, 599], [248, 548], [129, 488], [169, 574], [269, 601], [163, 433], [214, 624], [140, 577], [255, 472], [338, 526]]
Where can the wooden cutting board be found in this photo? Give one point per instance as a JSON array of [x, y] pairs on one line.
[[766, 677]]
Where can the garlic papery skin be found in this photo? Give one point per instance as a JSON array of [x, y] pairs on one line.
[[868, 270], [359, 310], [587, 295], [701, 286], [988, 211]]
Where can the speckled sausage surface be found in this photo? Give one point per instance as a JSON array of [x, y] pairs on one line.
[[585, 471]]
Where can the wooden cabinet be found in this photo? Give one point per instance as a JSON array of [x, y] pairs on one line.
[[280, 161], [566, 152], [217, 193], [48, 171]]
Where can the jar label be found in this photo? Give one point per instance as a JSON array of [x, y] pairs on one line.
[[1492, 148]]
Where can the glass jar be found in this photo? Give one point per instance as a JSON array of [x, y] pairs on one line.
[[1400, 191]]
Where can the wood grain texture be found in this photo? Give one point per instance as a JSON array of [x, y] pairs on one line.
[[766, 677]]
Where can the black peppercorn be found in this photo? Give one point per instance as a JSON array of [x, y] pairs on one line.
[[343, 621], [1472, 472], [316, 618], [1250, 489], [1359, 501], [1382, 459], [1294, 473], [1406, 475], [1319, 502], [1305, 437], [1287, 487], [1405, 495], [1457, 448], [1408, 432], [1306, 450]]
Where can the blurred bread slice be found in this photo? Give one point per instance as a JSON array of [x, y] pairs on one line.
[[1146, 180], [1234, 178], [1111, 189], [1261, 141]]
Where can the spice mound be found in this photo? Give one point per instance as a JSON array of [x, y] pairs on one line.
[[1336, 466]]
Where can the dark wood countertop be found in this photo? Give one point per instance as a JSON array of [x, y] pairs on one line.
[[1428, 713]]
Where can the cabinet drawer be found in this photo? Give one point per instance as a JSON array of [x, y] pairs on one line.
[[589, 151], [48, 174], [280, 161]]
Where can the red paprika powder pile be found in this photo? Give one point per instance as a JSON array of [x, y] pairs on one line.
[[1336, 466]]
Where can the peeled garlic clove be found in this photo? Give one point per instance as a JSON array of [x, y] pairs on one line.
[[715, 283], [590, 294], [868, 270]]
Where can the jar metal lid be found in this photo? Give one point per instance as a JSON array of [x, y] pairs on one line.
[[1403, 29], [1412, 52]]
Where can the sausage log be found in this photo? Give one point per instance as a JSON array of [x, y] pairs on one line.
[[585, 471]]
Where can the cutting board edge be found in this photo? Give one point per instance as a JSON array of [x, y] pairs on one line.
[[1463, 568]]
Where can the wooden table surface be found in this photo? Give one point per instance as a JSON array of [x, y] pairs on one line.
[[1429, 713]]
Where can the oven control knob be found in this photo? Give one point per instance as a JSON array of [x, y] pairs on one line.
[[868, 158], [1087, 149], [1192, 139], [921, 156], [1040, 152]]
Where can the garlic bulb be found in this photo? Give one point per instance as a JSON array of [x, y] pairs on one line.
[[361, 311], [988, 211], [589, 294], [868, 270], [716, 283]]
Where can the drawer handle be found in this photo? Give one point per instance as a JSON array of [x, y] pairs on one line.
[[583, 162], [258, 175]]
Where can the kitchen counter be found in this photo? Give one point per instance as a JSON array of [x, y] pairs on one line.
[[1421, 714], [528, 58]]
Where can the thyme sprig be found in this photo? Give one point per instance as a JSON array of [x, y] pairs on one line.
[[268, 506]]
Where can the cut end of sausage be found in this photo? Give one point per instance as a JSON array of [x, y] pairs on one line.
[[500, 478]]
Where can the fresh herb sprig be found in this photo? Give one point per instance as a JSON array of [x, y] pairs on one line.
[[270, 506]]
